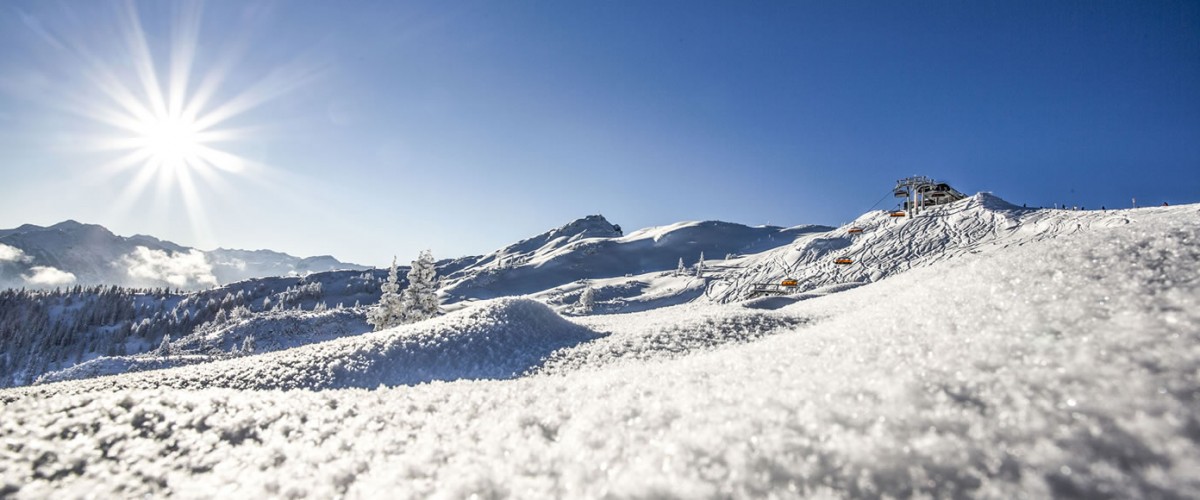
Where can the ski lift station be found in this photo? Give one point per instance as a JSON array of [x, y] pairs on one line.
[[920, 192], [917, 193]]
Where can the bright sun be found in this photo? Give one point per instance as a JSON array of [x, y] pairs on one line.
[[172, 142], [169, 128]]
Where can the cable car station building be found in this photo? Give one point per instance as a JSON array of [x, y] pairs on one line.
[[920, 192]]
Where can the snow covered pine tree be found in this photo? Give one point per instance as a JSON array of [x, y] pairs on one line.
[[420, 298], [587, 300], [164, 349], [389, 311]]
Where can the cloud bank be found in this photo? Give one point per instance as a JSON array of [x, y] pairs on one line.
[[184, 270], [45, 275], [12, 254]]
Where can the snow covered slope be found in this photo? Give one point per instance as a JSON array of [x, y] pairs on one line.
[[70, 253], [1060, 367], [592, 248], [889, 245]]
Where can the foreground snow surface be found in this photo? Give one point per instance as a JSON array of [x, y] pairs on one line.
[[1063, 367]]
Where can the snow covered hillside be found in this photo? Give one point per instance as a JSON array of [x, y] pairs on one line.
[[591, 248], [1038, 354], [54, 330], [882, 246]]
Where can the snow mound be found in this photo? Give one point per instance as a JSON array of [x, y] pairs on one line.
[[499, 339]]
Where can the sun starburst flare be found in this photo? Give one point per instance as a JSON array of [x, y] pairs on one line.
[[172, 135]]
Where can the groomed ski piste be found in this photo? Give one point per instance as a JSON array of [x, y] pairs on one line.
[[976, 350]]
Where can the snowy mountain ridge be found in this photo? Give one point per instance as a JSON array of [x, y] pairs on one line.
[[72, 253], [592, 248]]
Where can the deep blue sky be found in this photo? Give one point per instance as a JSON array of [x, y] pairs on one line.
[[389, 127]]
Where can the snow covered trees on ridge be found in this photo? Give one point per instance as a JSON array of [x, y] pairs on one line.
[[418, 302], [50, 330]]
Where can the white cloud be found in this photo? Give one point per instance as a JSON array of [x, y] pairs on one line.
[[179, 269], [45, 275], [12, 254], [238, 264]]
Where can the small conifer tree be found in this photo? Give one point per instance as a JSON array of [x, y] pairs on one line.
[[587, 300], [420, 298], [389, 311]]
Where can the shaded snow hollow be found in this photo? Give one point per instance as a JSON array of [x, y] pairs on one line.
[[1065, 366]]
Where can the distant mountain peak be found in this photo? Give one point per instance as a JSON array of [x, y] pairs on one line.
[[68, 224], [91, 254], [592, 226]]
